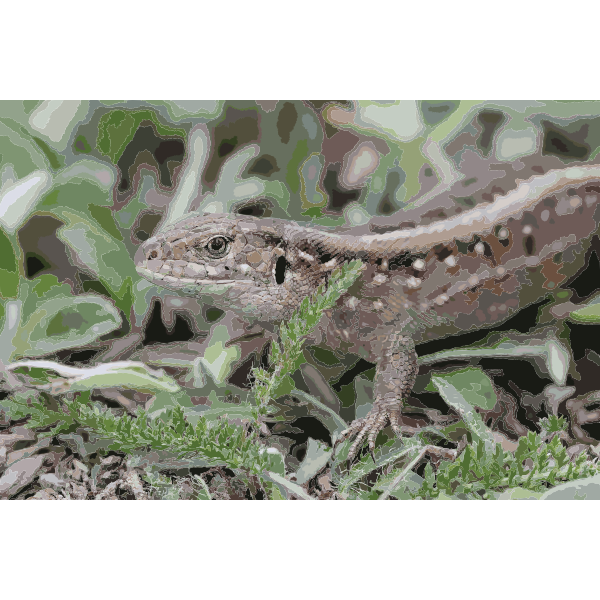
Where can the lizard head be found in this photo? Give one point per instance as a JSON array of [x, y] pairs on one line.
[[237, 262]]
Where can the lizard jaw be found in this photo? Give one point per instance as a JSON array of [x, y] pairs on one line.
[[159, 279], [188, 287]]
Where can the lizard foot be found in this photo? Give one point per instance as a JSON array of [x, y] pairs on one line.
[[383, 410]]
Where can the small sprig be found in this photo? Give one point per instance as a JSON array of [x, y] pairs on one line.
[[286, 352], [535, 465], [219, 443]]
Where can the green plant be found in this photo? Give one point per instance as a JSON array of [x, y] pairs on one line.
[[477, 473], [286, 354], [483, 470], [217, 442]]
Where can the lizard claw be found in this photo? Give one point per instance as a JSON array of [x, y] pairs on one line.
[[394, 421], [356, 427], [372, 452], [369, 426]]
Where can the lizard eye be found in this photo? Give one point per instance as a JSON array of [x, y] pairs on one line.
[[218, 246]]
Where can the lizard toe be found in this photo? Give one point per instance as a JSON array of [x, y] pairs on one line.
[[354, 428], [371, 425], [394, 415]]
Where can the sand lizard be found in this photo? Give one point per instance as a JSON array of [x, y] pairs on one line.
[[469, 270]]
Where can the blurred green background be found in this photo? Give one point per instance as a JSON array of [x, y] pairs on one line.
[[85, 183]]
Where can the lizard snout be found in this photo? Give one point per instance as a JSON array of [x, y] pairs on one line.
[[140, 257], [149, 251]]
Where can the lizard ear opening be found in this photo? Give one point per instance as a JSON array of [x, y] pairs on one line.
[[280, 268]]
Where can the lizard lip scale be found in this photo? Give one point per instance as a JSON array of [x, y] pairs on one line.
[[470, 270], [142, 267], [159, 277]]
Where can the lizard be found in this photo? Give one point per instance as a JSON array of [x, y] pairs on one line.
[[472, 269]]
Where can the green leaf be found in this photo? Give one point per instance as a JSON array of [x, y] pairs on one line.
[[403, 489], [474, 386], [335, 425], [454, 398], [126, 376], [274, 460], [317, 455], [162, 485], [52, 318], [9, 270], [581, 489], [292, 487], [202, 493], [587, 314], [19, 199], [519, 494]]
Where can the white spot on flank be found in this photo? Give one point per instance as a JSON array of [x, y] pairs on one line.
[[492, 309], [479, 248], [545, 215], [244, 268], [352, 302], [419, 264], [503, 233], [590, 199], [473, 280], [377, 305], [527, 229], [564, 207], [441, 299], [575, 201], [306, 256], [380, 278], [500, 270], [450, 261], [413, 282], [330, 264]]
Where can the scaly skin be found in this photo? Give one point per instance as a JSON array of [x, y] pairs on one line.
[[468, 270]]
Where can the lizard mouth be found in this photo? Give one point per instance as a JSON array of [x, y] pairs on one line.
[[185, 282]]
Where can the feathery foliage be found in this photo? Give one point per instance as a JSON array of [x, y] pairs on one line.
[[219, 442], [482, 471]]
